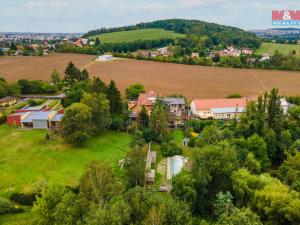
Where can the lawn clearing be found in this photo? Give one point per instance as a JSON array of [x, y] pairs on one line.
[[270, 48], [16, 219], [133, 35], [26, 157]]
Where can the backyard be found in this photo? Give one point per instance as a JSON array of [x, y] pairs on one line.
[[26, 158]]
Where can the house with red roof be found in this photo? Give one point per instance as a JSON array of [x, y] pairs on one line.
[[147, 100], [221, 109]]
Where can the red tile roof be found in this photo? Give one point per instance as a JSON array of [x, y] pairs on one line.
[[219, 103], [147, 98]]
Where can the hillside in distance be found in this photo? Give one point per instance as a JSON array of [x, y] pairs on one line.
[[218, 34], [133, 35], [271, 48]]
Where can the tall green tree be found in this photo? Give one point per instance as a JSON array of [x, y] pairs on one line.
[[77, 124], [57, 205], [159, 120], [97, 42], [84, 75], [275, 113], [72, 74], [55, 77], [143, 119], [75, 93], [99, 183], [212, 169], [135, 167], [289, 171], [115, 212], [114, 97], [240, 216], [169, 211], [97, 85], [100, 110], [40, 51], [133, 91], [258, 147], [223, 204]]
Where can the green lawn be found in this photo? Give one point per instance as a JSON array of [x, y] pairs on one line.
[[16, 219], [26, 157], [142, 34], [270, 48]]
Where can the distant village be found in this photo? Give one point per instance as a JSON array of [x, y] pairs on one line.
[[48, 44]]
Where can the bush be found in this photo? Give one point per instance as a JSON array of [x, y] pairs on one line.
[[170, 149], [117, 123], [23, 199], [5, 206], [35, 102]]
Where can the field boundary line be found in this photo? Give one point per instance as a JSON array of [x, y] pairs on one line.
[[87, 65], [259, 80]]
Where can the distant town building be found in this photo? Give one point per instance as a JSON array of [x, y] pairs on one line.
[[195, 55], [105, 58], [265, 57]]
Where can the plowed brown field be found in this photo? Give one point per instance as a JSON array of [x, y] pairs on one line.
[[191, 81]]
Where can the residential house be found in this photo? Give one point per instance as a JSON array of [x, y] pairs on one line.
[[146, 100], [247, 51], [177, 112], [36, 119], [81, 42], [265, 57], [230, 51], [165, 51], [221, 109], [195, 55], [8, 101]]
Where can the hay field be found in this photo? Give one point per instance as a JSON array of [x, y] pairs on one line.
[[191, 81]]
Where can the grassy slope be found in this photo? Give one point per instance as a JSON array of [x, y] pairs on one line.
[[16, 219], [26, 157], [282, 48], [143, 34]]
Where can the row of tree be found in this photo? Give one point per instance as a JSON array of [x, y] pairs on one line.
[[277, 62]]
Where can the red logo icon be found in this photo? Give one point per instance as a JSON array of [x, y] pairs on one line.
[[285, 15]]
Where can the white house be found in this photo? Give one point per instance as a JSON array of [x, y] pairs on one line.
[[105, 58], [284, 105], [221, 109]]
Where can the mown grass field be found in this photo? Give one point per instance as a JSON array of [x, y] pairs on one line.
[[270, 48], [16, 219], [26, 157], [133, 35]]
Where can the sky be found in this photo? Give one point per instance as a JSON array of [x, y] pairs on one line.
[[84, 15]]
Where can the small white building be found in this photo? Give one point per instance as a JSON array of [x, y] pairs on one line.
[[284, 105], [105, 58], [265, 57]]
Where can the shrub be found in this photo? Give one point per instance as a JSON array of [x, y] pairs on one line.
[[169, 149], [117, 123], [35, 102], [234, 95], [5, 206], [23, 199]]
